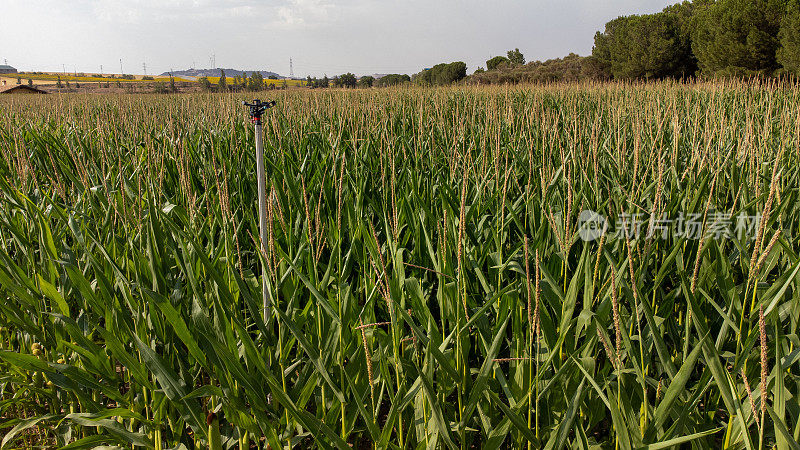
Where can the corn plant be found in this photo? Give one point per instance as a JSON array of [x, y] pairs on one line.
[[429, 280]]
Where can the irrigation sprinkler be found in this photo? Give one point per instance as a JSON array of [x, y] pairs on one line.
[[257, 109]]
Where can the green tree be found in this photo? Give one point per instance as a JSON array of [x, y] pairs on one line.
[[442, 74], [19, 80], [347, 80], [256, 82], [324, 82], [516, 57], [58, 83], [30, 82], [789, 52], [495, 62], [738, 37], [222, 85], [648, 46], [366, 81], [392, 79], [203, 82]]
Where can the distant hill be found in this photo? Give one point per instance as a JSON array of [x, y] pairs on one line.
[[215, 73]]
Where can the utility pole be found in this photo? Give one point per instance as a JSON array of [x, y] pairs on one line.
[[291, 69], [121, 72], [101, 70], [64, 69], [144, 68]]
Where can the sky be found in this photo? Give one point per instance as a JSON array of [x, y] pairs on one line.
[[320, 36]]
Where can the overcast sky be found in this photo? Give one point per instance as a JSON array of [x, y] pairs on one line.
[[322, 36]]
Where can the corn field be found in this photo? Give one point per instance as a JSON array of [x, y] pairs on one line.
[[428, 279]]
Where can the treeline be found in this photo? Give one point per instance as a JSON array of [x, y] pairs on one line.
[[438, 75], [441, 74], [569, 68], [704, 37], [255, 82], [349, 80], [700, 38]]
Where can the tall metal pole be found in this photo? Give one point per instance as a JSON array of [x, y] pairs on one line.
[[262, 210], [257, 109]]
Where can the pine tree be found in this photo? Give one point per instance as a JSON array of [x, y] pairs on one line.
[[738, 37], [516, 57], [222, 86], [789, 52]]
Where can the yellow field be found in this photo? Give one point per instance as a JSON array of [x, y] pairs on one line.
[[52, 78]]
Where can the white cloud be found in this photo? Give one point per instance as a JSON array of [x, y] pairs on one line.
[[284, 12]]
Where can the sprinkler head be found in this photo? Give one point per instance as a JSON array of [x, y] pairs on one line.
[[257, 108]]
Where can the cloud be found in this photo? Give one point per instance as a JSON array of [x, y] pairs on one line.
[[283, 13], [305, 12]]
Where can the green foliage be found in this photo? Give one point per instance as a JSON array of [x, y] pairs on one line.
[[496, 62], [789, 53], [204, 83], [19, 80], [571, 68], [392, 79], [147, 78], [222, 84], [366, 81], [650, 47], [516, 57], [738, 37], [30, 82], [256, 82], [427, 281], [347, 80], [442, 74]]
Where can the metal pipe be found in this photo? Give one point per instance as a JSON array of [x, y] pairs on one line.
[[262, 210], [257, 108]]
